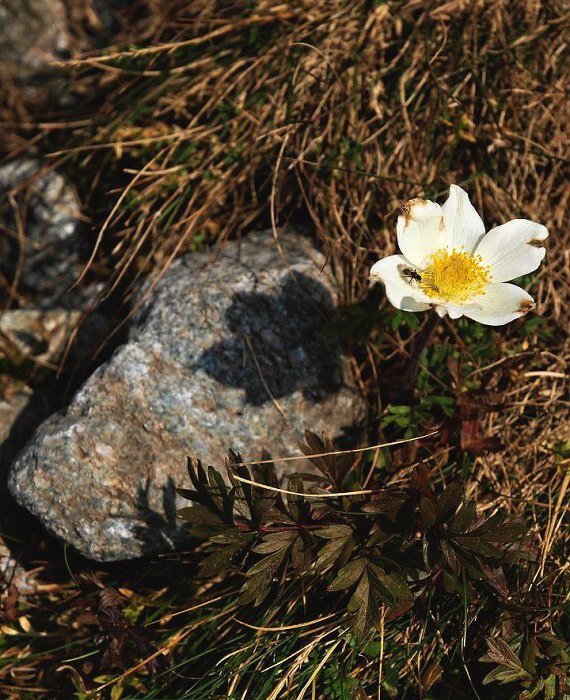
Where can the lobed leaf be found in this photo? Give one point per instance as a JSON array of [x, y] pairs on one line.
[[348, 575]]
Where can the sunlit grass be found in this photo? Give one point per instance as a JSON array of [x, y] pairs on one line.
[[214, 119]]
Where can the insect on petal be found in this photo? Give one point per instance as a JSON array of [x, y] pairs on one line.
[[401, 292]]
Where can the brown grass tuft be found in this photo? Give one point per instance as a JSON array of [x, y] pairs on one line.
[[207, 119], [328, 115]]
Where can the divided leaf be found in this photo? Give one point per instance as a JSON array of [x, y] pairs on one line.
[[333, 467], [376, 551], [348, 575]]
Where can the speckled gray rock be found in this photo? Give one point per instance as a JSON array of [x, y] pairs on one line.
[[32, 33], [228, 351], [53, 242], [35, 35]]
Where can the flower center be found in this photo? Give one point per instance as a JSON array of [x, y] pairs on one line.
[[454, 276]]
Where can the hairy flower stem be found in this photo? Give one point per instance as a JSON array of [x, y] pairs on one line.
[[419, 343]]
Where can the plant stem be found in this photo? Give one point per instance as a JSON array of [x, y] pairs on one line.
[[419, 343], [267, 529]]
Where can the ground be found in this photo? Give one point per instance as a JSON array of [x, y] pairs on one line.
[[198, 122]]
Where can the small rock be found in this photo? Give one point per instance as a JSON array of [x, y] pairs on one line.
[[32, 343], [233, 351], [32, 33], [50, 216], [10, 410], [13, 574], [35, 337], [32, 346], [36, 35]]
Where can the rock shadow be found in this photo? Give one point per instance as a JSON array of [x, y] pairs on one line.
[[281, 344], [162, 530]]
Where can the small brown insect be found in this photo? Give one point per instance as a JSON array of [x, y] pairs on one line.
[[409, 274]]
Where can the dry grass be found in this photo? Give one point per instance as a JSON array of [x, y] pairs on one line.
[[238, 113], [326, 115]]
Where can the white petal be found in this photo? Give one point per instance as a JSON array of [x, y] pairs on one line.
[[441, 310], [513, 249], [401, 292], [455, 311], [421, 231], [500, 304], [463, 226]]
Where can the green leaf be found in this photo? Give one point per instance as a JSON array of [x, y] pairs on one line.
[[217, 482], [360, 595], [314, 445], [392, 587], [338, 549], [395, 505], [268, 564], [295, 502], [550, 688], [504, 675], [330, 553], [464, 518], [260, 577], [372, 650], [529, 656], [450, 557], [223, 558], [451, 583], [491, 677], [199, 514], [501, 653], [333, 532], [301, 552], [474, 544], [275, 542], [507, 532], [231, 536], [256, 588], [348, 575], [367, 610], [449, 502], [427, 512], [532, 692]]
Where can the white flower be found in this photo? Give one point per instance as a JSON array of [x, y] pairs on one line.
[[450, 263]]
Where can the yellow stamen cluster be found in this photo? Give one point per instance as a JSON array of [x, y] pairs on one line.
[[454, 276]]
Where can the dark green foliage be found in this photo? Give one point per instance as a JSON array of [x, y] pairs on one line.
[[380, 549], [118, 642], [540, 665]]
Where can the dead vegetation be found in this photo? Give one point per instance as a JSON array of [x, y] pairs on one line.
[[324, 114], [224, 117]]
